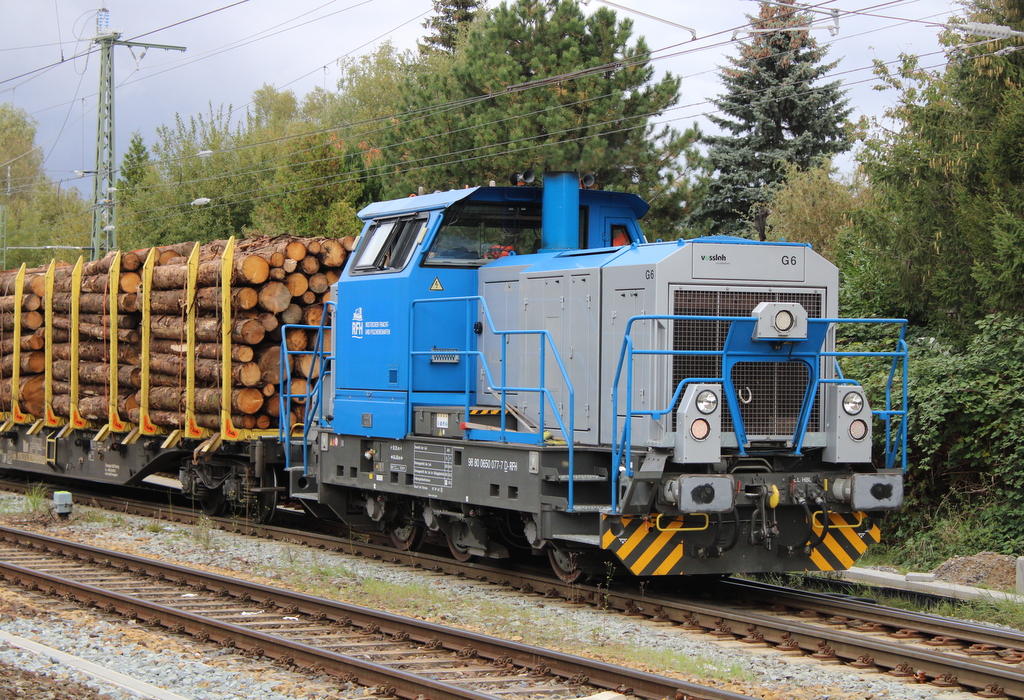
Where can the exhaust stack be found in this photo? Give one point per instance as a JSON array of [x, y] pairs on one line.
[[560, 221]]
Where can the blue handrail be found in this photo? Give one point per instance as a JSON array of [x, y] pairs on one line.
[[622, 447], [546, 342], [323, 361]]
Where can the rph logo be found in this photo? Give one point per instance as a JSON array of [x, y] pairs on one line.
[[357, 323], [717, 257]]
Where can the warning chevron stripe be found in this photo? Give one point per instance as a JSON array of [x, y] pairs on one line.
[[649, 551]]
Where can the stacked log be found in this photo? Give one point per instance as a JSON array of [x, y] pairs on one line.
[[273, 282], [31, 386]]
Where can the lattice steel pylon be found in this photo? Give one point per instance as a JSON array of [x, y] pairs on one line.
[[104, 214]]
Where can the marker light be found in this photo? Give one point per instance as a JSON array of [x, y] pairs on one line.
[[700, 429], [858, 429]]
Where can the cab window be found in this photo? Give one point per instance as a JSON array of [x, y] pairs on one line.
[[474, 233], [388, 245]]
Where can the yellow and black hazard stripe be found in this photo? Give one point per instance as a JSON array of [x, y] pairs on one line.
[[651, 546], [848, 537], [644, 547], [484, 411]]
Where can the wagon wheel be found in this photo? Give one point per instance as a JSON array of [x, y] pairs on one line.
[[408, 536], [211, 502], [564, 564]]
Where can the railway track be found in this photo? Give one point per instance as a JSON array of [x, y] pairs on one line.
[[947, 653], [389, 654]]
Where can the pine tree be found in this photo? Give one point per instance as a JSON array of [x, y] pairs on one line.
[[449, 16], [133, 167], [774, 113], [565, 91]]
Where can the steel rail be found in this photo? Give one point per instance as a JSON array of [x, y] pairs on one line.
[[646, 685], [811, 639], [969, 632]]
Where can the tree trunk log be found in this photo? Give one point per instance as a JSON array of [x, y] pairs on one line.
[[31, 363], [88, 372], [242, 373], [176, 419], [30, 320], [291, 315], [97, 352], [243, 401], [246, 269], [333, 253], [124, 321], [308, 366], [29, 302], [275, 297], [269, 362], [313, 314], [318, 283], [243, 330], [93, 303], [296, 339], [209, 351], [27, 343], [31, 394], [297, 283]]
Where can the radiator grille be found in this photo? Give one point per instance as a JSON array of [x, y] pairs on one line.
[[770, 392]]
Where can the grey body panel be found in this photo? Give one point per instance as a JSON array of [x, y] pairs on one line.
[[585, 302]]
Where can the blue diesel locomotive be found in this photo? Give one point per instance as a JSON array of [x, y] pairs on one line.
[[517, 369]]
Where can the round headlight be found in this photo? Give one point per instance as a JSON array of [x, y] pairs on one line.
[[700, 429], [707, 401], [784, 321], [858, 429], [853, 403]]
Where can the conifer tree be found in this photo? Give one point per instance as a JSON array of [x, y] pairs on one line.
[[536, 84], [774, 112], [448, 18], [133, 167]]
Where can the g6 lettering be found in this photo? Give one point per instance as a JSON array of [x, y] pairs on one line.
[[649, 274], [789, 260]]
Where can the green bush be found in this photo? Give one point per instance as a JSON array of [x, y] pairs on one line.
[[966, 446]]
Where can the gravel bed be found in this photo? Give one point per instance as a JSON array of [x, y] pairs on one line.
[[446, 600], [176, 664]]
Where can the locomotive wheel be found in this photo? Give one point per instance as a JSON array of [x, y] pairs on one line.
[[408, 537], [458, 551], [564, 564], [212, 503]]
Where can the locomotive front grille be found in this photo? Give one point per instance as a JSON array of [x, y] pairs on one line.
[[770, 393]]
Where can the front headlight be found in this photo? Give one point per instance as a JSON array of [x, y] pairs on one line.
[[853, 403], [707, 401], [784, 321]]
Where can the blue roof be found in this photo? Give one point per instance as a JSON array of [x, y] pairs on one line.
[[410, 205]]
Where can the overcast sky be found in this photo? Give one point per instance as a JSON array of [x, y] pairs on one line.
[[238, 46]]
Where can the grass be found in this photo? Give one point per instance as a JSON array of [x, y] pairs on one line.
[[662, 660], [996, 611], [202, 532], [37, 499]]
